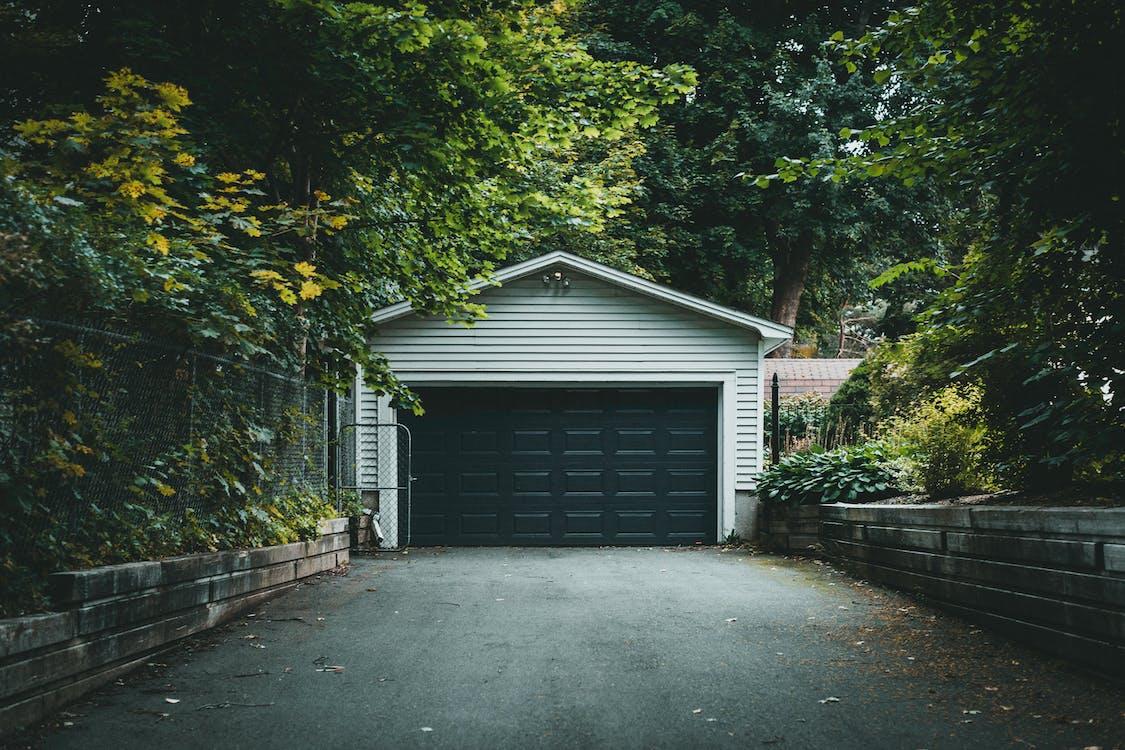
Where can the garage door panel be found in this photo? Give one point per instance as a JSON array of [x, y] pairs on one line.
[[584, 441], [476, 524], [636, 441], [479, 443], [565, 466], [535, 442], [538, 524], [536, 483], [584, 482], [636, 482], [479, 483]]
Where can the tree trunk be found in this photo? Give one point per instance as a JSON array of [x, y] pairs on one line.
[[790, 269]]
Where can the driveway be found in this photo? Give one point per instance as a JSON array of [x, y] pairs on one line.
[[621, 648]]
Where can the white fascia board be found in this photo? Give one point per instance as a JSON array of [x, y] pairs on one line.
[[773, 334]]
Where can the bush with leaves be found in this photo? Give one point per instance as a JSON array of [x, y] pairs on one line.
[[1010, 122], [853, 474], [947, 443]]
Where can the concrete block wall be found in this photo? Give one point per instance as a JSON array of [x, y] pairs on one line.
[[109, 620], [1054, 577], [787, 528]]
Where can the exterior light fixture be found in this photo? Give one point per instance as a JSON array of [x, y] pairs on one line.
[[556, 278]]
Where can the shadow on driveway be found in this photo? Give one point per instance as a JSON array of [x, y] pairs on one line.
[[615, 647]]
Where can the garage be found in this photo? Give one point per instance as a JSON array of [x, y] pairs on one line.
[[533, 466], [588, 405]]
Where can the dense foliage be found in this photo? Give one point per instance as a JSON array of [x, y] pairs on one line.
[[252, 180], [401, 149], [946, 442], [800, 254], [851, 474], [1014, 120]]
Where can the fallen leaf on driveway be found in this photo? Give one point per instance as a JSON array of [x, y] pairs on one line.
[[829, 699]]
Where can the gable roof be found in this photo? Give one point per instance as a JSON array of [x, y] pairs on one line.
[[773, 334]]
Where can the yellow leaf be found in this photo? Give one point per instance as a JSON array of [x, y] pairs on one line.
[[158, 242], [311, 290], [131, 189], [306, 269]]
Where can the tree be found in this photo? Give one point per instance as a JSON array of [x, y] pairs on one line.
[[1016, 119], [424, 129], [765, 87], [254, 180]]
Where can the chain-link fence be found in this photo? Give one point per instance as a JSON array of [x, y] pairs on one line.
[[375, 462], [103, 418]]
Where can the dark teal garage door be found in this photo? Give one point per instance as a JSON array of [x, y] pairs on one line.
[[527, 466]]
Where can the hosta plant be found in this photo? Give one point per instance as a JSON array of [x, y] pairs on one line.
[[852, 474]]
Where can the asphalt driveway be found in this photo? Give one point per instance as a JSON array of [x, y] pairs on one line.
[[621, 648]]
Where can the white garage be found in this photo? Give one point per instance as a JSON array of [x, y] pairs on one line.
[[590, 406]]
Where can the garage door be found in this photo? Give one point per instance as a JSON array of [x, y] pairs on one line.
[[530, 466]]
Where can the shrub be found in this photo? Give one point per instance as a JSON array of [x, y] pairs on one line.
[[946, 441], [853, 474], [800, 419]]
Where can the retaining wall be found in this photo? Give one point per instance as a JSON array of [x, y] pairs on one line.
[[1054, 577], [786, 528], [111, 619]]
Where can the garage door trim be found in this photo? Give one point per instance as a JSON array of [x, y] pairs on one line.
[[723, 380]]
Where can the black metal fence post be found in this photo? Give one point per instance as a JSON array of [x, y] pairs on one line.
[[775, 431], [332, 427]]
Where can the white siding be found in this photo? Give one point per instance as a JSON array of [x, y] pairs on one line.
[[537, 333]]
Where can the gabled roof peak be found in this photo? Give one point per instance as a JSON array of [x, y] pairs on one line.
[[773, 334]]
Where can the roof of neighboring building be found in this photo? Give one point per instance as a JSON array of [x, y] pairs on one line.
[[797, 376]]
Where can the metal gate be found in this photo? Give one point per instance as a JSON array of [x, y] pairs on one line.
[[374, 460]]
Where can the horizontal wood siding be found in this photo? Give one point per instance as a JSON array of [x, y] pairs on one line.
[[540, 333]]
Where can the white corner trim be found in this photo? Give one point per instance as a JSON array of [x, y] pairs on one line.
[[773, 334]]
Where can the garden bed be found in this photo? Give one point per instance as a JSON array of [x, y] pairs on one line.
[[1069, 499]]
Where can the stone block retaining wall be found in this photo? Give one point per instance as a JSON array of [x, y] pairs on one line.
[[111, 619], [787, 528], [1054, 577]]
